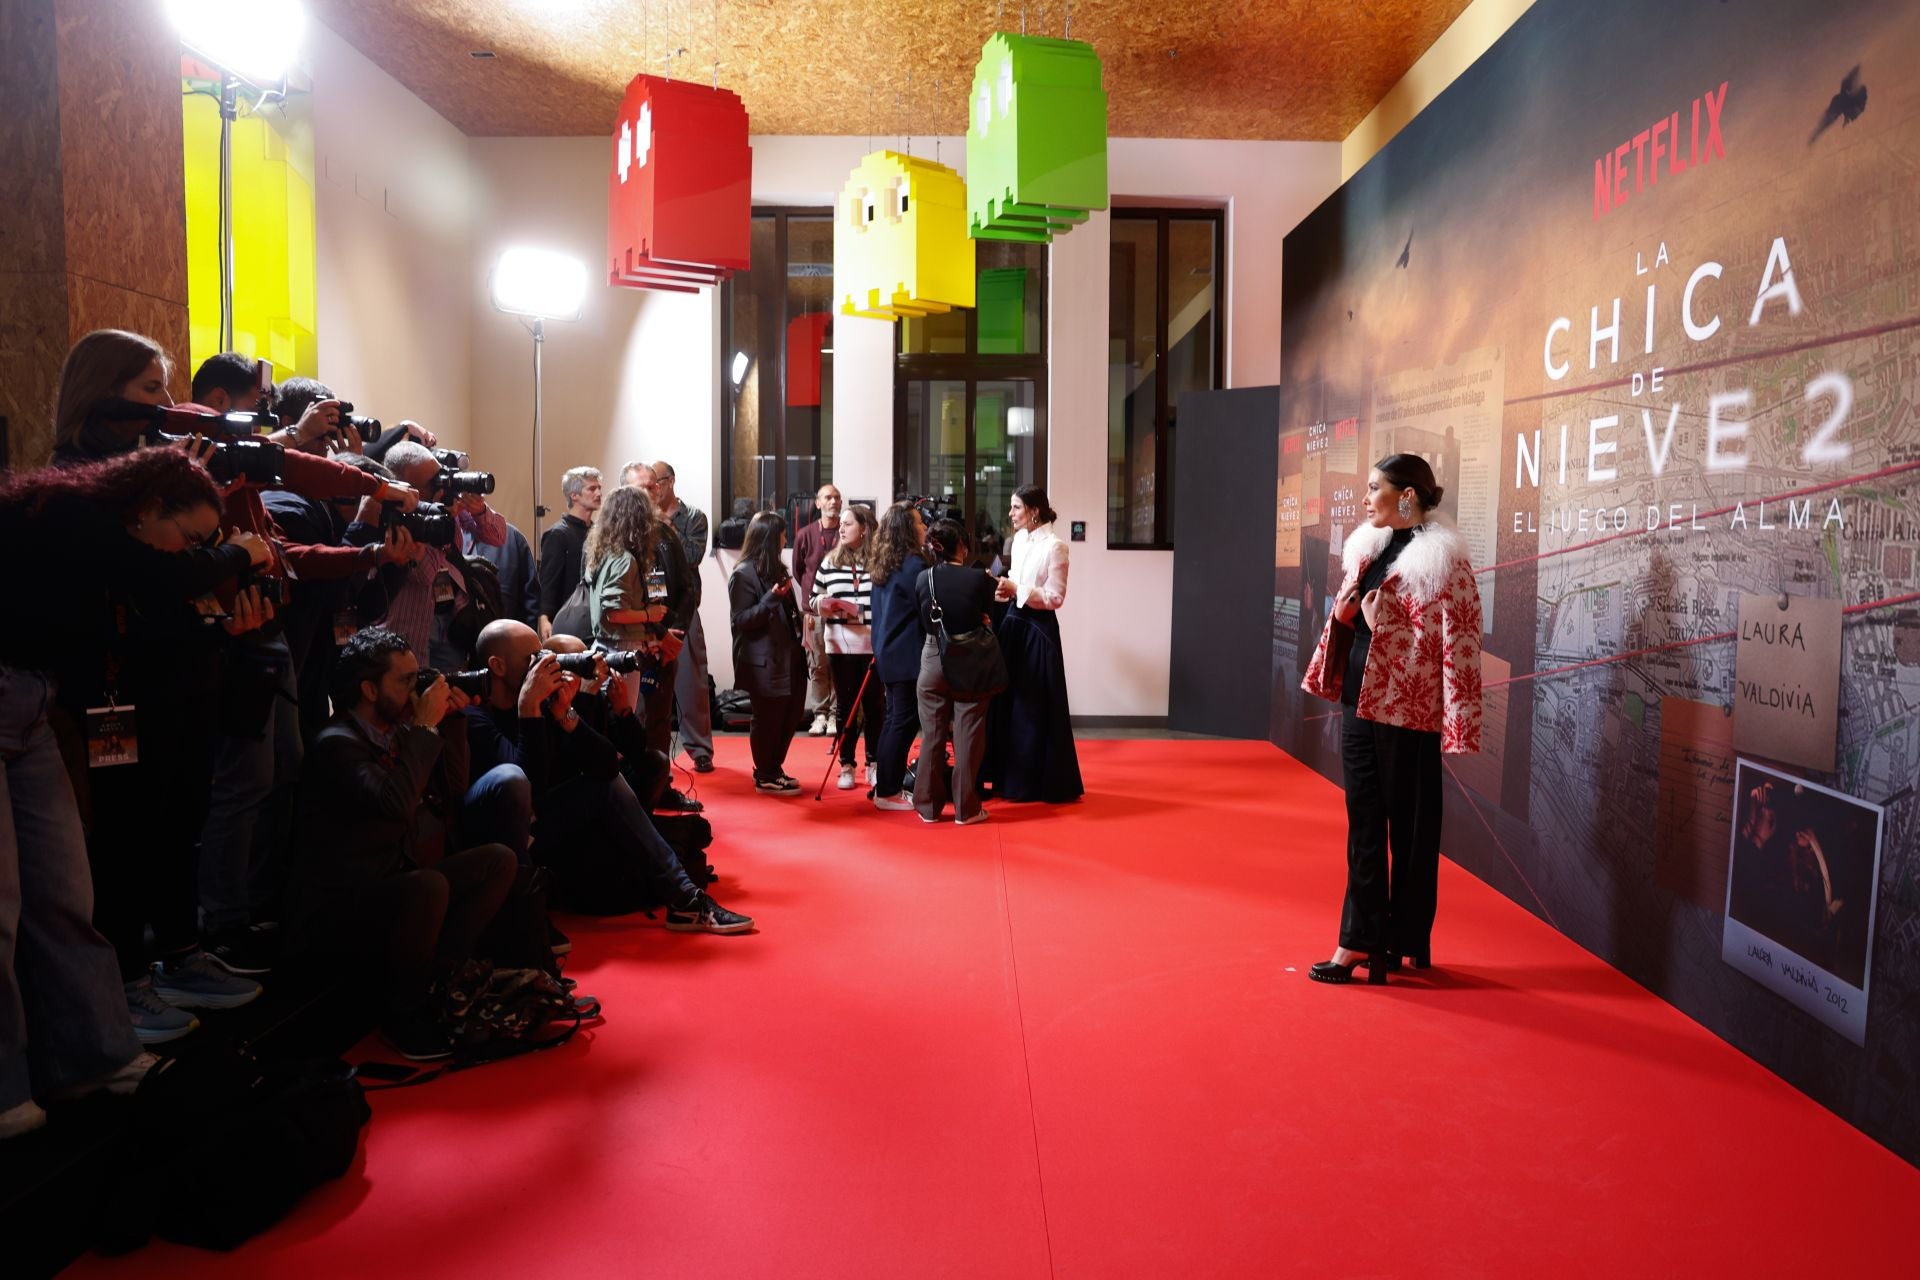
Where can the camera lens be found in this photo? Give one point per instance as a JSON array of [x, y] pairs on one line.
[[455, 483], [622, 660], [424, 678], [577, 664]]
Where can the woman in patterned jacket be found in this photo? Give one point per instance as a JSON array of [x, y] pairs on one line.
[[1401, 654]]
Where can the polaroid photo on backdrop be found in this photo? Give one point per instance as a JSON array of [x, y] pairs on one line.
[[1802, 885]]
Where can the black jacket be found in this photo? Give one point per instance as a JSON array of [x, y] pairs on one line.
[[563, 555], [364, 814], [966, 598], [546, 753], [767, 658]]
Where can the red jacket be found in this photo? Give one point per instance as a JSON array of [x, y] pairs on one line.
[[310, 477], [1423, 666]]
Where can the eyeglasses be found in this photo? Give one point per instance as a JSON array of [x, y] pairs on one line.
[[200, 541]]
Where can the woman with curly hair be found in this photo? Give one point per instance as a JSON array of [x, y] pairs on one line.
[[643, 593]]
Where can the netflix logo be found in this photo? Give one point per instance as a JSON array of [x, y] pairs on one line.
[[1682, 140]]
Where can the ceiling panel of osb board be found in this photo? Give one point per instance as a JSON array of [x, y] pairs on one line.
[[1275, 69]]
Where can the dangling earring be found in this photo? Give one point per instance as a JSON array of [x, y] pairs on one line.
[[1406, 508]]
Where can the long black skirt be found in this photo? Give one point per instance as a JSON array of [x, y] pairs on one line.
[[1030, 753]]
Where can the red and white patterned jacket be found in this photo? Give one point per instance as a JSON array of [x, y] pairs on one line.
[[1423, 666]]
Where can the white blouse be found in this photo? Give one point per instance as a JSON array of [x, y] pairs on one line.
[[1039, 571]]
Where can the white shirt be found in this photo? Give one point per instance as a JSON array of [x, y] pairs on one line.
[[1039, 570]]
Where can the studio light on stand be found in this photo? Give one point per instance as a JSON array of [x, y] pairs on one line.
[[538, 285], [252, 44]]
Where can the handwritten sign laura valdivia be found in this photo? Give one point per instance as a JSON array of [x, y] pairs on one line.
[[1786, 680]]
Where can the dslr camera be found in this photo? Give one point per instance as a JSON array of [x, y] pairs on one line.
[[451, 484], [430, 522], [368, 429], [471, 683]]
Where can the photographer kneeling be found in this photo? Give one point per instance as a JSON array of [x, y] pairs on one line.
[[589, 826], [358, 882]]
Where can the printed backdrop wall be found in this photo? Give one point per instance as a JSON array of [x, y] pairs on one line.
[[1644, 286]]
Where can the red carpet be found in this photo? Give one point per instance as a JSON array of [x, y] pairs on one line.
[[1081, 1043]]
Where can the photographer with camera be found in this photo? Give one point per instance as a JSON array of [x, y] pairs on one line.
[[441, 600], [122, 548], [360, 884], [589, 825], [487, 535]]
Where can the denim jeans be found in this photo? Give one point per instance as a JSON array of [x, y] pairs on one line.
[[608, 811], [896, 737], [498, 809], [63, 1013]]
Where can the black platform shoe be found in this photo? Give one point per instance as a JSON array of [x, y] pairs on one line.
[[1418, 959], [1328, 971]]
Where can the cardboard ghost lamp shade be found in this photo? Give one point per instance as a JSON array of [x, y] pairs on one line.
[[680, 189], [1036, 138], [900, 245]]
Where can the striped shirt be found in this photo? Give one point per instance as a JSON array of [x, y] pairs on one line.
[[851, 583]]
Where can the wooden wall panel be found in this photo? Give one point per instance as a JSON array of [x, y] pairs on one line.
[[33, 294]]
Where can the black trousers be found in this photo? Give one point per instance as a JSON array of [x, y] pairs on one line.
[[411, 925], [848, 670], [776, 718], [1393, 805]]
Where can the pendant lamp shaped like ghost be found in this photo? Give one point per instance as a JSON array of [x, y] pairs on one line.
[[1036, 138], [680, 192], [900, 245]]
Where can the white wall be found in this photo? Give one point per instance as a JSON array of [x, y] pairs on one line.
[[391, 203], [637, 376]]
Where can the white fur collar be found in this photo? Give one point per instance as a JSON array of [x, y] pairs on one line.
[[1423, 568]]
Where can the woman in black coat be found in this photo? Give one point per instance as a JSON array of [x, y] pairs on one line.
[[768, 661]]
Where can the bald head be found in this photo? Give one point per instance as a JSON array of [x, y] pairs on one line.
[[559, 643], [507, 648]]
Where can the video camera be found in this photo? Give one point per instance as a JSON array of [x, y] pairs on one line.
[[430, 522], [237, 453]]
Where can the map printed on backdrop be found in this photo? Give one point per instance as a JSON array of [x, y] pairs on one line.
[[1644, 287]]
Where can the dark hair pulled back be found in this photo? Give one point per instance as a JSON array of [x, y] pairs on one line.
[[1410, 471]]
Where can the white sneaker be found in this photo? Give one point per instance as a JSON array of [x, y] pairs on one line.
[[981, 816], [873, 775], [24, 1118], [846, 778], [902, 803], [819, 728], [833, 725]]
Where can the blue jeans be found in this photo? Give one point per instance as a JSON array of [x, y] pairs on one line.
[[63, 1013], [896, 737], [498, 809]]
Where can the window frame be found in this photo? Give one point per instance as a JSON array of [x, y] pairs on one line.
[[1163, 216], [971, 368], [775, 315]]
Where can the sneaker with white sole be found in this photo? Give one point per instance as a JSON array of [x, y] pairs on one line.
[[833, 726], [873, 775], [781, 786], [900, 802], [967, 822], [819, 727], [154, 1020], [20, 1119], [846, 778], [196, 982], [704, 915]]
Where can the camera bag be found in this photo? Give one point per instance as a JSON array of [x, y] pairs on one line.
[[222, 1147]]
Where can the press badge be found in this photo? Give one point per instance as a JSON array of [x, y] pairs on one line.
[[442, 588], [111, 737]]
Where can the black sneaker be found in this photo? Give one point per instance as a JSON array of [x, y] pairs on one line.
[[703, 764], [704, 915], [673, 800], [418, 1037], [247, 952], [562, 944], [781, 786]]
